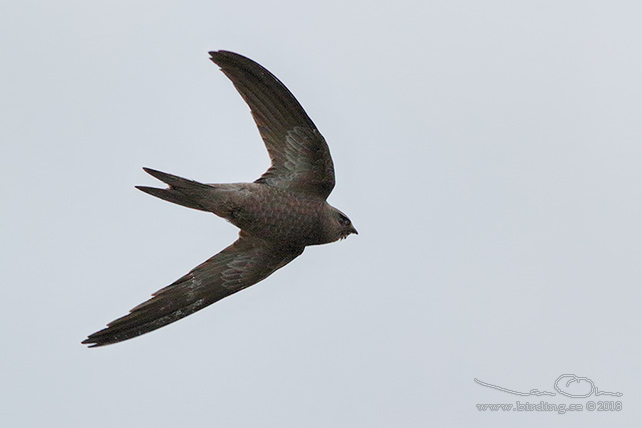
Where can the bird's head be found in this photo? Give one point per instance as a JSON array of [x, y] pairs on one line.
[[341, 226]]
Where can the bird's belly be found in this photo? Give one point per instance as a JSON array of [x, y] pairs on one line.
[[281, 217]]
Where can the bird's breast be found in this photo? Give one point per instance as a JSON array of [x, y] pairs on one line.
[[279, 215]]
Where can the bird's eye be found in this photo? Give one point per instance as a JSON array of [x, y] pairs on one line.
[[343, 220]]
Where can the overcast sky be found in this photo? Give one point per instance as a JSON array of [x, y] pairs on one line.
[[488, 152]]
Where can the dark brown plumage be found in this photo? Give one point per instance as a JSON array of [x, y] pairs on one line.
[[279, 214]]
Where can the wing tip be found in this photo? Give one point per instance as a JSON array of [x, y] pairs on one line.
[[107, 336], [222, 54], [227, 60], [219, 56], [93, 342]]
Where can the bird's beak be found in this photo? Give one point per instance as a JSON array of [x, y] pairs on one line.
[[353, 230]]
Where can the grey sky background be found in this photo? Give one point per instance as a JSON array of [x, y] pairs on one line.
[[488, 153]]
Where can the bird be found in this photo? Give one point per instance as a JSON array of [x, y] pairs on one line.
[[279, 214]]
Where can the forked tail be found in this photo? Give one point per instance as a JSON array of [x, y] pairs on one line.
[[181, 191]]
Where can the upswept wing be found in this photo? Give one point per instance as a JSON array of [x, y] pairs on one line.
[[242, 264], [300, 157]]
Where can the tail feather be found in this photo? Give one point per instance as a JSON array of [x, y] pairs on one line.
[[181, 191], [173, 196]]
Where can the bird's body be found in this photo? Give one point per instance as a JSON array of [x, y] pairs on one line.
[[279, 214], [294, 218], [260, 210]]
